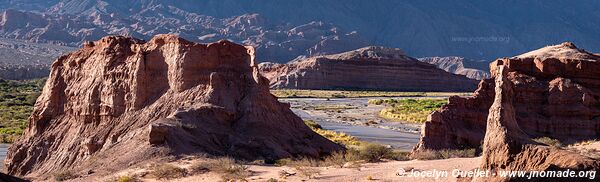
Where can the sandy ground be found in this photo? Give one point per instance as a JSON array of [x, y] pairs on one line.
[[382, 171]]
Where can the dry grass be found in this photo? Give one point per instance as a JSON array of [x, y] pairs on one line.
[[228, 168], [308, 172], [65, 175], [168, 171], [548, 141]]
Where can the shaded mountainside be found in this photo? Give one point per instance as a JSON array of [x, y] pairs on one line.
[[26, 60], [473, 29], [368, 68], [274, 41], [555, 95], [121, 101], [477, 70]]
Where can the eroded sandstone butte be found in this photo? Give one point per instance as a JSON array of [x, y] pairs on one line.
[[507, 147], [119, 101], [556, 94], [369, 68]]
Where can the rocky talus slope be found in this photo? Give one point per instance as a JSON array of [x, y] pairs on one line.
[[368, 68], [458, 65], [556, 95], [507, 147], [121, 101]]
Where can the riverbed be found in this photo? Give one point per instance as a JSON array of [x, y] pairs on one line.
[[356, 117]]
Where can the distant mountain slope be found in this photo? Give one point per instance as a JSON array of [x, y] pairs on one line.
[[473, 29], [25, 60], [458, 65], [278, 42], [368, 68]]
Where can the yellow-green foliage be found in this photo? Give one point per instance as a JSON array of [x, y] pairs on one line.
[[408, 110], [337, 137], [291, 93], [16, 104]]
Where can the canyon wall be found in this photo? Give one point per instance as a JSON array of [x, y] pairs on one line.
[[120, 101], [556, 95]]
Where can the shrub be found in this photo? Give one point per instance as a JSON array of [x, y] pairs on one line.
[[227, 167], [65, 175], [548, 141], [168, 171], [126, 179], [309, 172], [374, 152]]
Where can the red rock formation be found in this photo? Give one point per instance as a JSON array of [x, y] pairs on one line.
[[369, 68], [508, 148], [557, 94], [119, 101]]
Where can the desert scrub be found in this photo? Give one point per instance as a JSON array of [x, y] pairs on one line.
[[168, 171], [227, 167], [65, 175], [126, 179], [548, 141], [443, 154], [16, 104], [408, 110]]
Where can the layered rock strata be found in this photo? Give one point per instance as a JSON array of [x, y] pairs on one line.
[[120, 101], [556, 95], [508, 148], [369, 68]]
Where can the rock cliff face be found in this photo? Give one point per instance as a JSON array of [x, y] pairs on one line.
[[458, 65], [369, 68], [556, 94], [120, 101], [508, 148]]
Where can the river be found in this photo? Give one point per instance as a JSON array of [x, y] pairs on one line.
[[356, 117]]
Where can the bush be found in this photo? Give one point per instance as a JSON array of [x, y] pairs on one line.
[[126, 179], [374, 152], [309, 172], [65, 175], [227, 167], [168, 171]]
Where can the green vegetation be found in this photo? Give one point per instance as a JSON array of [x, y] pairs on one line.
[[16, 104], [408, 110], [290, 93]]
